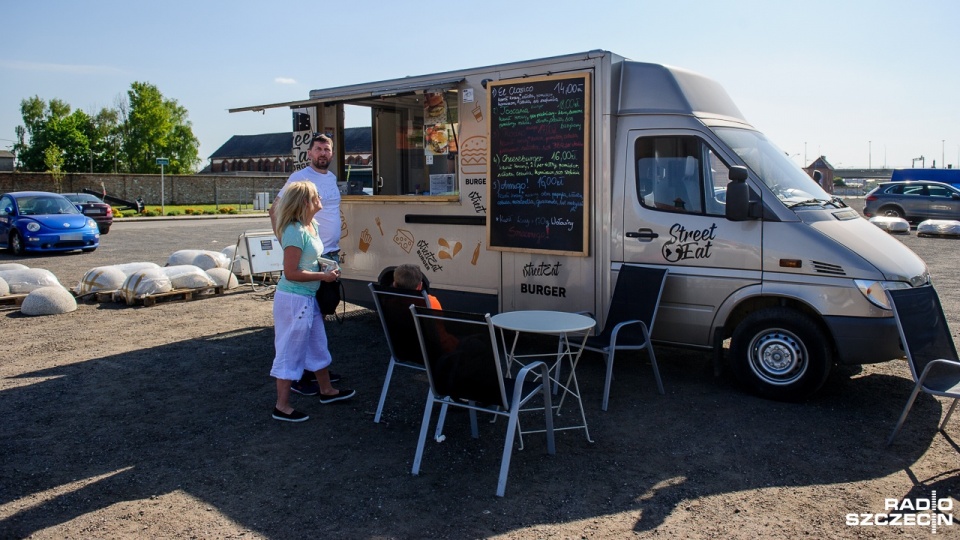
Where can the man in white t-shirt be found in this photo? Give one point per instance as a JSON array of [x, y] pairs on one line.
[[320, 155]]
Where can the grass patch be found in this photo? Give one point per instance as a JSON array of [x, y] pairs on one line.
[[189, 210]]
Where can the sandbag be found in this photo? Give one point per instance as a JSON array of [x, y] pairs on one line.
[[12, 266], [223, 277], [4, 288], [187, 276], [101, 278], [129, 268], [939, 227], [144, 282], [891, 224], [201, 258], [230, 252], [22, 281], [48, 301]]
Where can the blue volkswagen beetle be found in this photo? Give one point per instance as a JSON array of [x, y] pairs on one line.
[[39, 221]]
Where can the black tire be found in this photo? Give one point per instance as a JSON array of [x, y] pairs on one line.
[[780, 354], [16, 244], [104, 230], [891, 211]]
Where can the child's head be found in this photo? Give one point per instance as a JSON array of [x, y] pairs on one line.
[[407, 276]]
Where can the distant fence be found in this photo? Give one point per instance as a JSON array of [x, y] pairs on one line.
[[177, 189], [851, 191]]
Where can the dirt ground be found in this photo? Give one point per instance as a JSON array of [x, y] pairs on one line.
[[123, 422]]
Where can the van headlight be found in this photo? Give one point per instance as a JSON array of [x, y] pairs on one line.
[[33, 226], [874, 290]]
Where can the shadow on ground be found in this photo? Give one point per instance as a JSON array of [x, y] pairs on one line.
[[194, 416]]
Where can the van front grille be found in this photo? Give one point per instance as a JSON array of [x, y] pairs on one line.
[[827, 268]]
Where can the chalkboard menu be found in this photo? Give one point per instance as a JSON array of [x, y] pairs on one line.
[[538, 173]]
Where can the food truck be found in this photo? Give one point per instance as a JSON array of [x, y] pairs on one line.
[[528, 185]]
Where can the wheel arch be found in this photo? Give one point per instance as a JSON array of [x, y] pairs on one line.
[[750, 300]]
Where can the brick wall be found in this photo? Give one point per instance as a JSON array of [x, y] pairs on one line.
[[178, 189]]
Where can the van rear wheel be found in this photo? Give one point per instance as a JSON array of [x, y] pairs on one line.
[[781, 354]]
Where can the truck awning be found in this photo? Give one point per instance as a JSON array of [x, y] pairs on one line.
[[359, 92]]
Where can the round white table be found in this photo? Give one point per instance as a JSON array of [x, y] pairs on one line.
[[543, 322], [555, 323]]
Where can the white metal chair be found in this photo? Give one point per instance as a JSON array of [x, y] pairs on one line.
[[463, 366], [929, 347]]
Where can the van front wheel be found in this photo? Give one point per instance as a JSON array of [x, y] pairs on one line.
[[780, 354]]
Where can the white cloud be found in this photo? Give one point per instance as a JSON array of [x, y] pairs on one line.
[[284, 80], [79, 69]]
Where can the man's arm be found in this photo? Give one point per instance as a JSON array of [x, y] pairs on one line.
[[273, 218]]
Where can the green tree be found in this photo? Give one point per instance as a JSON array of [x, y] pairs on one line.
[[53, 160], [76, 135], [128, 138], [155, 127]]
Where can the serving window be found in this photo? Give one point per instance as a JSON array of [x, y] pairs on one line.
[[414, 145]]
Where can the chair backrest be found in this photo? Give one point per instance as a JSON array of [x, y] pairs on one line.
[[923, 327], [636, 297], [462, 356], [393, 307]]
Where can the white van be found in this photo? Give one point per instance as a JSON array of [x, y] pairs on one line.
[[528, 185]]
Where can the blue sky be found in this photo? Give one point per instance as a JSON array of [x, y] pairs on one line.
[[861, 82]]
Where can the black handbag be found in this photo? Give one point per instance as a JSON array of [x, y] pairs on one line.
[[329, 296]]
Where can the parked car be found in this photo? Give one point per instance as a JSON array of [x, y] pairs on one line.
[[41, 221], [913, 201], [94, 207]]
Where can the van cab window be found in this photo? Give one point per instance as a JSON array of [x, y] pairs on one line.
[[680, 174], [774, 168], [414, 143]]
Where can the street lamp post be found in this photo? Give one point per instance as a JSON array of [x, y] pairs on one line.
[[162, 162]]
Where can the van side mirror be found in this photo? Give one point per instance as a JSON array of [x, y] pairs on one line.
[[738, 195]]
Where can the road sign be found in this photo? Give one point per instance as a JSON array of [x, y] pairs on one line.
[[163, 161]]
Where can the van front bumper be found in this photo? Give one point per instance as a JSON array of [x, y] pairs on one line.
[[863, 340]]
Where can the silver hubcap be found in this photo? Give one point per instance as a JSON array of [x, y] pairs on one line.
[[778, 357]]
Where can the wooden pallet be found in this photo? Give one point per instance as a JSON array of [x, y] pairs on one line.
[[181, 295], [12, 299], [103, 296]]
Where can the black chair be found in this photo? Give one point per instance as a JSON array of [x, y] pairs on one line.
[[393, 307], [929, 347], [463, 366], [629, 322]]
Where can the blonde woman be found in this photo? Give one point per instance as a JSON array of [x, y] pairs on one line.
[[301, 340]]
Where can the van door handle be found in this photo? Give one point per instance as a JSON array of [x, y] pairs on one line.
[[643, 234]]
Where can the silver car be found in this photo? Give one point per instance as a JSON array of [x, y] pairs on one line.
[[914, 201]]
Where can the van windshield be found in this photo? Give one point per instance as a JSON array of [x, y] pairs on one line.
[[787, 180]]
